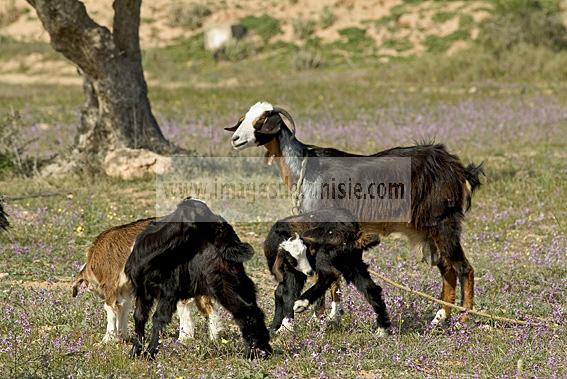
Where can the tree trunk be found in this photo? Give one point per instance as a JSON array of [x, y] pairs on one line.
[[117, 111]]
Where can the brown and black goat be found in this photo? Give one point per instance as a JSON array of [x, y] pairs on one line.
[[440, 190], [104, 275]]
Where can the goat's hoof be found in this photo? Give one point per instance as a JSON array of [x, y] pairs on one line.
[[259, 353], [382, 332], [185, 337], [135, 352], [300, 305], [439, 318], [286, 326], [109, 338]]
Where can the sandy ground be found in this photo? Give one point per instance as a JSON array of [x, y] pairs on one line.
[[19, 21]]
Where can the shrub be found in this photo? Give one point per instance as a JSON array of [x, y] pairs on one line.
[[399, 45], [188, 16], [13, 149], [264, 26], [303, 29], [442, 17], [237, 50], [327, 18], [533, 22], [438, 44], [305, 59], [9, 13]]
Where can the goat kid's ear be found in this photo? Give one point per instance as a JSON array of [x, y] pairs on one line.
[[233, 128], [367, 241], [277, 269], [269, 123]]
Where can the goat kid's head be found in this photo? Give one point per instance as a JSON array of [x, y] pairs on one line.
[[293, 252], [259, 125]]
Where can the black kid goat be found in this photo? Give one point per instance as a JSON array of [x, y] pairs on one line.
[[193, 252], [330, 240]]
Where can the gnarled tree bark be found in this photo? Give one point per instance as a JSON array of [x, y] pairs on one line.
[[117, 111]]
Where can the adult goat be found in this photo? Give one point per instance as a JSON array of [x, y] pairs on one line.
[[441, 191]]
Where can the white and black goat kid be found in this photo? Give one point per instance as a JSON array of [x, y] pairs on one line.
[[441, 191], [103, 274], [193, 252], [335, 248]]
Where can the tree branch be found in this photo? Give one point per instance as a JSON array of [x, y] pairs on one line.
[[74, 34], [126, 25]]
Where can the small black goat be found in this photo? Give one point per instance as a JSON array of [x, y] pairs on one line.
[[193, 252], [4, 224], [335, 245]]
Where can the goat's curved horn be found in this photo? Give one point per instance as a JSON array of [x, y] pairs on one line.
[[286, 115]]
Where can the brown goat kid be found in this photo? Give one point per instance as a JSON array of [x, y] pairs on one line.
[[104, 275]]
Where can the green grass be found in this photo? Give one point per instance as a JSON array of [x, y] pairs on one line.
[[441, 17], [265, 26], [506, 113]]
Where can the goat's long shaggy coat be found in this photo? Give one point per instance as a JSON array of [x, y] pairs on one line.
[[193, 252]]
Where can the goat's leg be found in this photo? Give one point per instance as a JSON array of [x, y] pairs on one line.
[[326, 276], [293, 284], [239, 299], [141, 314], [186, 326], [208, 308], [111, 324], [124, 307], [336, 309], [162, 316], [447, 292], [279, 295], [358, 274], [466, 278]]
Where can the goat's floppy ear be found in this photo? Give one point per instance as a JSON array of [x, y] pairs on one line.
[[233, 128], [277, 268], [270, 124]]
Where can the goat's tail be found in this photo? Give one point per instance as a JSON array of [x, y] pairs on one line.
[[4, 224], [79, 279], [472, 176]]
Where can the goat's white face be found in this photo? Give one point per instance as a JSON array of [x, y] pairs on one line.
[[244, 136], [297, 249]]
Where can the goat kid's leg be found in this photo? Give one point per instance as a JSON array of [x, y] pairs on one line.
[[111, 324], [324, 280], [186, 326], [359, 275], [208, 307], [162, 316], [240, 300], [336, 309], [141, 314], [124, 307], [293, 285]]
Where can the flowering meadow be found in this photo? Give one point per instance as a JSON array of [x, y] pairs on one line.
[[514, 235]]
